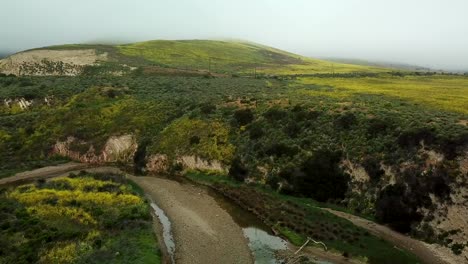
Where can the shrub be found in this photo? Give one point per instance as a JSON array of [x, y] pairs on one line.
[[394, 207], [274, 114], [372, 167], [345, 121], [243, 116], [412, 137], [208, 108], [237, 170], [255, 131], [378, 126], [279, 149], [319, 177]]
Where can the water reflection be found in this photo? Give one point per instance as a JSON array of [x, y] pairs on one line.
[[167, 232], [264, 245]]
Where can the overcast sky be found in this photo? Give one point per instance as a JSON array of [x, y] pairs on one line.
[[425, 32]]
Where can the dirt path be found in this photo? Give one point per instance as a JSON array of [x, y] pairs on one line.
[[43, 173], [203, 231], [424, 251]]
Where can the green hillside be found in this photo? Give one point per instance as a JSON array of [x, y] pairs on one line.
[[388, 145], [232, 56]]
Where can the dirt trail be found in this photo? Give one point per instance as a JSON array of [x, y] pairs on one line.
[[203, 231], [43, 173], [424, 251]]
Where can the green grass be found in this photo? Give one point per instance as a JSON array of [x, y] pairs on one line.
[[233, 56], [440, 92]]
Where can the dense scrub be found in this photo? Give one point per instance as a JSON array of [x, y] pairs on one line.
[[85, 218], [294, 136]]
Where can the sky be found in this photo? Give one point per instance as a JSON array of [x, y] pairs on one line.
[[430, 33]]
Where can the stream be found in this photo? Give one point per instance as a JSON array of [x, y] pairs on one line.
[[167, 230], [263, 243]]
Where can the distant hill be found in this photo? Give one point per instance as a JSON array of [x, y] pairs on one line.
[[3, 55], [195, 55], [385, 64]]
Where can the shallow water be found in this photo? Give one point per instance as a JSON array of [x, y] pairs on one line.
[[264, 245], [167, 231], [262, 242]]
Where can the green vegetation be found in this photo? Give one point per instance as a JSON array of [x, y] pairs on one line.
[[299, 218], [232, 57], [297, 134], [85, 218], [206, 139], [444, 92]]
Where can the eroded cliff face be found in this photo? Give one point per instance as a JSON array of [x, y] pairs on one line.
[[50, 62], [445, 219], [160, 163], [116, 149], [197, 163]]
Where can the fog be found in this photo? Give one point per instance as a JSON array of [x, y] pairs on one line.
[[430, 33]]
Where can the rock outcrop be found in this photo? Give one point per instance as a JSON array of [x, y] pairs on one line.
[[160, 163], [157, 164], [116, 149], [197, 163]]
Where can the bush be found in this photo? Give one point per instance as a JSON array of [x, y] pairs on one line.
[[395, 208], [372, 167], [274, 114], [208, 108], [319, 177], [345, 121], [412, 137], [378, 126], [255, 131], [237, 170], [280, 149], [194, 140], [243, 116]]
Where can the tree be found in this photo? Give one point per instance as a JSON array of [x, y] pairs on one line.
[[237, 170], [243, 116], [319, 177]]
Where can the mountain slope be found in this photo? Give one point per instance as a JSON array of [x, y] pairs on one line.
[[232, 56], [197, 55]]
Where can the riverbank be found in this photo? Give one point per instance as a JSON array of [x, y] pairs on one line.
[[203, 231], [341, 233]]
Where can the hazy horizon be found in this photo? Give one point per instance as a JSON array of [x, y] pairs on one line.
[[425, 33]]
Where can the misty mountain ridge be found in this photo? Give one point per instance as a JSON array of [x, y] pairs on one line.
[[222, 57], [341, 60]]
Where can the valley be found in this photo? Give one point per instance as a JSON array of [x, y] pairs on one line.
[[371, 161], [198, 214]]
